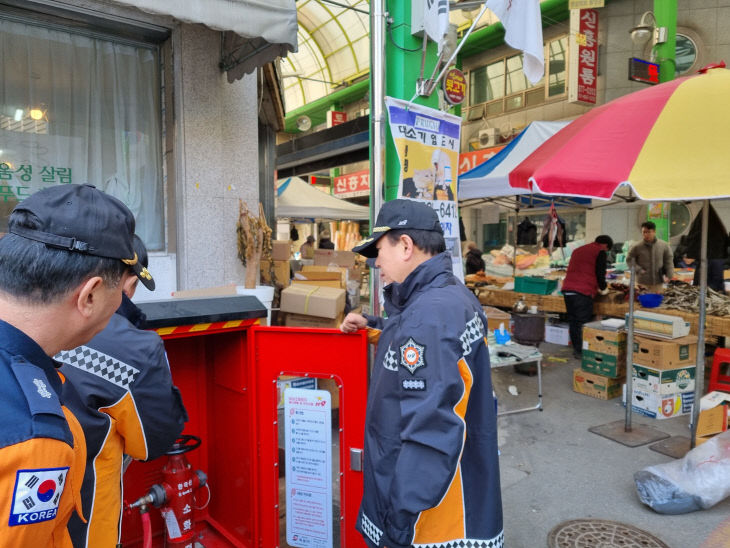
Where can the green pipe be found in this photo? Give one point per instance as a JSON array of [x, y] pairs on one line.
[[665, 14], [479, 41]]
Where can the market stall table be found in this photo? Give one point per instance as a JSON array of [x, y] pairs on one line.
[[718, 326], [501, 355]]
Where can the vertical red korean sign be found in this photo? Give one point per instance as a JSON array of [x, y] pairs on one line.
[[583, 72]]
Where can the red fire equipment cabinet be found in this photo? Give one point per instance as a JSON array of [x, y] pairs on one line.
[[233, 374]]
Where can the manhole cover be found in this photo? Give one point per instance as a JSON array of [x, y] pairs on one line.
[[600, 533]]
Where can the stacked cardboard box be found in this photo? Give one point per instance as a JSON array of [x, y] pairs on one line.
[[603, 362], [596, 386], [663, 376], [347, 260], [313, 305]]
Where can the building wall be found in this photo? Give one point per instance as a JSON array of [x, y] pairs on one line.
[[217, 151], [705, 21]]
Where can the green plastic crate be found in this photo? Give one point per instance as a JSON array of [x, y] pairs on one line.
[[536, 286]]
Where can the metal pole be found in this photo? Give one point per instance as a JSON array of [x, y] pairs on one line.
[[700, 370], [630, 349], [514, 242], [377, 127]]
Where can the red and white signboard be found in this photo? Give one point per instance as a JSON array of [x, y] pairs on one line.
[[336, 117], [583, 72], [470, 160], [352, 184]]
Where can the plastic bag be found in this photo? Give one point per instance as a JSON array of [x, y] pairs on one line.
[[697, 481]]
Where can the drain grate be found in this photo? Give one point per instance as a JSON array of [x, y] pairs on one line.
[[600, 533]]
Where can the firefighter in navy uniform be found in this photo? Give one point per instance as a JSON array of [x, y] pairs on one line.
[[129, 406], [431, 470], [62, 266]]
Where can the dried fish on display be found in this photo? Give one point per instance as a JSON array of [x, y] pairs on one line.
[[685, 297]]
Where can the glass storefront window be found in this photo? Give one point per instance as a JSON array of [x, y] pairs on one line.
[[80, 109], [557, 56], [478, 86], [504, 79]]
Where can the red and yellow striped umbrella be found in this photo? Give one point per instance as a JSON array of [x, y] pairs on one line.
[[668, 142]]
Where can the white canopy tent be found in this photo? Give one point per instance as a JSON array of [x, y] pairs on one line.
[[296, 199]]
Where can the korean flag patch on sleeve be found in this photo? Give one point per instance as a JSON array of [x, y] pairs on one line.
[[36, 495]]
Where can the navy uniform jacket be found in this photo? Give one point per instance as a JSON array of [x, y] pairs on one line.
[[42, 450], [129, 406], [431, 474]]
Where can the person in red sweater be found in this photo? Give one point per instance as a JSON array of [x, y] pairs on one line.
[[586, 277]]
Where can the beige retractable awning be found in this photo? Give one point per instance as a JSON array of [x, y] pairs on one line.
[[255, 31]]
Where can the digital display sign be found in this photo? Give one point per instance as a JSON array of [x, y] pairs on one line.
[[643, 71]]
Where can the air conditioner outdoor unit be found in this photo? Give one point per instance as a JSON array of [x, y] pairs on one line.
[[488, 137]]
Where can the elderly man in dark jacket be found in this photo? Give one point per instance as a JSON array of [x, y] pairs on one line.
[[431, 471]]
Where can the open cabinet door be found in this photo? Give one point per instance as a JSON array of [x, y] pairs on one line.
[[311, 393]]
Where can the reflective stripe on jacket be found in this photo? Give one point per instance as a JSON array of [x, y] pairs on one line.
[[431, 471], [129, 406], [42, 447]]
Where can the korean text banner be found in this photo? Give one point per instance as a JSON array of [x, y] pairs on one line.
[[427, 141]]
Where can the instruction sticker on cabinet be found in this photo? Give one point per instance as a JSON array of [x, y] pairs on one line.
[[308, 445]]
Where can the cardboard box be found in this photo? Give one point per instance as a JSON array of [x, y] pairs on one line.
[[344, 272], [281, 273], [711, 422], [281, 250], [495, 316], [666, 354], [608, 365], [596, 386], [664, 381], [557, 333], [656, 406], [324, 279], [300, 320], [605, 341], [313, 300], [329, 257], [663, 393]]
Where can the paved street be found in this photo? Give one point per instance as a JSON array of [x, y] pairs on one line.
[[554, 470]]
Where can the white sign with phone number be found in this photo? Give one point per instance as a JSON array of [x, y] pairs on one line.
[[308, 443]]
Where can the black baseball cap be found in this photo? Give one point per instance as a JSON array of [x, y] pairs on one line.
[[399, 214], [83, 219]]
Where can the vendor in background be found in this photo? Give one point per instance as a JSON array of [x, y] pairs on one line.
[[717, 249], [307, 248], [324, 240], [586, 277], [652, 258], [473, 256]]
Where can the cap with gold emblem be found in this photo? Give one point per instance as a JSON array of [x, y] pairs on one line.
[[83, 219], [399, 214]]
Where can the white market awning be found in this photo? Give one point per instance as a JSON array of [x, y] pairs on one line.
[[296, 199], [255, 31]]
